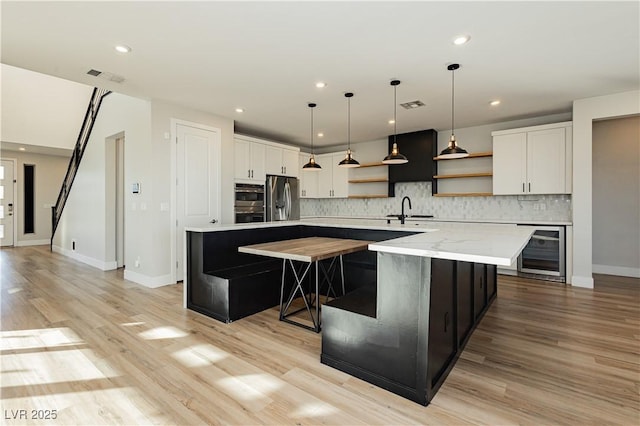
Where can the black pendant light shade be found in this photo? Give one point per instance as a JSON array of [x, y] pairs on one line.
[[394, 156], [311, 166], [453, 150], [349, 161]]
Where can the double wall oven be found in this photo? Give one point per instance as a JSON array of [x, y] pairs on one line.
[[249, 203], [544, 257]]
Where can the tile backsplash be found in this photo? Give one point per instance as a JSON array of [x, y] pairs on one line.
[[498, 207]]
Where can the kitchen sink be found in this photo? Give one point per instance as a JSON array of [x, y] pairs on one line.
[[411, 216]]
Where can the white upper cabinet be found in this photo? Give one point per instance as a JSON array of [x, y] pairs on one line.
[[308, 180], [256, 158], [333, 181], [533, 160], [281, 161], [249, 161]]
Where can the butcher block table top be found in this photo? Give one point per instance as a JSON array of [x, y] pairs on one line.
[[309, 249]]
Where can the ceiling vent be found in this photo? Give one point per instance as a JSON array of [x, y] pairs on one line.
[[106, 76], [412, 104]]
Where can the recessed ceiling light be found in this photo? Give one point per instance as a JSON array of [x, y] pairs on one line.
[[22, 148], [122, 48], [392, 121], [239, 110], [494, 103], [461, 39], [321, 84], [320, 134]]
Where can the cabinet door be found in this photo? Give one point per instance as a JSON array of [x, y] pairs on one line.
[[308, 180], [510, 164], [257, 163], [546, 161], [492, 285], [290, 162], [442, 322], [465, 289], [325, 176], [340, 177], [242, 159], [479, 289], [273, 160]]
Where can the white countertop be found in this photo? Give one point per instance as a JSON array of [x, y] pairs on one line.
[[434, 219], [491, 243]]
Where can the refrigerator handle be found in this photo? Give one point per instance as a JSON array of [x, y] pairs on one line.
[[287, 200]]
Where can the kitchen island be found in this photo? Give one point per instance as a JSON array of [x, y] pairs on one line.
[[412, 300]]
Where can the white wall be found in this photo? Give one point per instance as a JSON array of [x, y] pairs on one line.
[[162, 232], [39, 109], [585, 111], [84, 219], [49, 172], [616, 196], [149, 148]]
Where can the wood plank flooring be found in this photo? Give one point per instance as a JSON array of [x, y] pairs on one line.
[[102, 350]]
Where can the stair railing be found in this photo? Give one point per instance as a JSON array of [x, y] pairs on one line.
[[76, 156]]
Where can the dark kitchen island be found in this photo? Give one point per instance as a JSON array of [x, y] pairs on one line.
[[411, 303]]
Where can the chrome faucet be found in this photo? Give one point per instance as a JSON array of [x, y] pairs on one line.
[[402, 215]]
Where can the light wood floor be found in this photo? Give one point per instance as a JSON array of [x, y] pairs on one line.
[[102, 350]]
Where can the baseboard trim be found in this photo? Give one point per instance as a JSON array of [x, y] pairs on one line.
[[26, 243], [96, 263], [147, 281], [622, 271], [584, 282]]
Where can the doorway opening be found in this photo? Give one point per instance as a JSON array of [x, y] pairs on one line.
[[115, 192]]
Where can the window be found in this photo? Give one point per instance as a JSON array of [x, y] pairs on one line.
[[29, 198]]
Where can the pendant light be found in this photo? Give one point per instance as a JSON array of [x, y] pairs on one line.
[[395, 157], [349, 161], [312, 166], [453, 150]]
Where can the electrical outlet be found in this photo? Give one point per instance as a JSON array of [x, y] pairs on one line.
[[137, 262]]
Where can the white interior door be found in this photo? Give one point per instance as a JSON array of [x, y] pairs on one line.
[[198, 183], [7, 205]]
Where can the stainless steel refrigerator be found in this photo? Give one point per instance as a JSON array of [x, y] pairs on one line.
[[282, 201]]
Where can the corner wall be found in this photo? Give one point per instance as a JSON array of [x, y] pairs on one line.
[[84, 219], [585, 111]]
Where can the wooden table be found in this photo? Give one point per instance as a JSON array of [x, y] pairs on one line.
[[307, 251]]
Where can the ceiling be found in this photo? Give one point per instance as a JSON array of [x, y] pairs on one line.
[[536, 57]]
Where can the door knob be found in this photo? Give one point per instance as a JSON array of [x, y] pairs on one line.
[[214, 221]]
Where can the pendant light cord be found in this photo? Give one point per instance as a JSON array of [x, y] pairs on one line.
[[349, 123], [312, 150], [395, 112], [452, 98]]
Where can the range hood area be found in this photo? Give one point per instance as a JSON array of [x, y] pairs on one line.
[[419, 147]]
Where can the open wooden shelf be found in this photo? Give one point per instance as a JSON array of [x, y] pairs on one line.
[[463, 194], [472, 155], [464, 175], [369, 196], [369, 180], [376, 164]]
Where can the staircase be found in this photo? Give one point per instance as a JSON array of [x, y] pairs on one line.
[[76, 157]]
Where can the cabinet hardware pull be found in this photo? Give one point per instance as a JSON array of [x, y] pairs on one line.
[[529, 186], [522, 186], [249, 173]]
